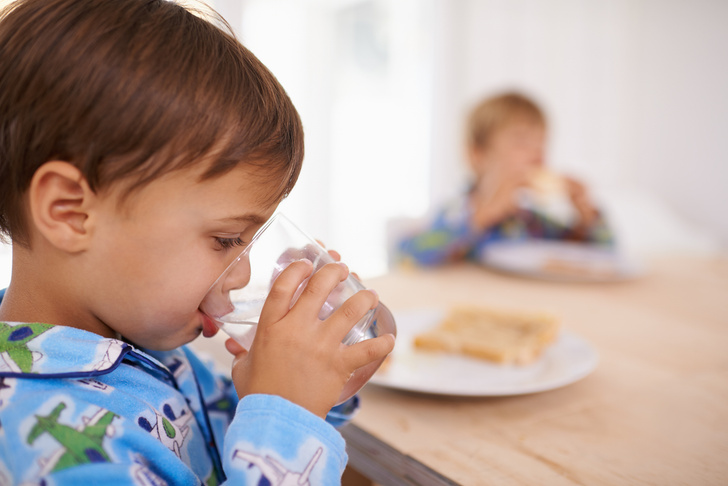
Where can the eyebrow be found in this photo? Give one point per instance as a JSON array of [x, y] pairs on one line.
[[245, 218]]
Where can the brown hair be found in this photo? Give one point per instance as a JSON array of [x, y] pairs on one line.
[[130, 90], [495, 112]]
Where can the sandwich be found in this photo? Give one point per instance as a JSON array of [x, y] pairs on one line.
[[494, 335]]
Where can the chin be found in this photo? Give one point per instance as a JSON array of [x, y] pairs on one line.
[[172, 338], [169, 344]]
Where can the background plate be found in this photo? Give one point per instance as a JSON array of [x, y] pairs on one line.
[[562, 261]]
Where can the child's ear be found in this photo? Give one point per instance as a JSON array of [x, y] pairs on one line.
[[60, 201], [474, 154], [476, 157]]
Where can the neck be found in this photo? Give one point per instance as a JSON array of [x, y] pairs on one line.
[[42, 289]]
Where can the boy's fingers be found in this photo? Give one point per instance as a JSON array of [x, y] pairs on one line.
[[234, 347], [281, 293], [363, 353], [351, 312], [318, 288], [333, 253], [337, 257]]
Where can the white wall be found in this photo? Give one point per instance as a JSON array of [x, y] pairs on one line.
[[359, 75]]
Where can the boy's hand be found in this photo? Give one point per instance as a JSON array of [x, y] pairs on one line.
[[579, 196], [494, 198], [299, 357]]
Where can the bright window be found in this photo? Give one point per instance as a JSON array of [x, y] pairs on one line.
[[359, 74]]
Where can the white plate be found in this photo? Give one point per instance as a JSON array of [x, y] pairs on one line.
[[569, 359], [558, 260]]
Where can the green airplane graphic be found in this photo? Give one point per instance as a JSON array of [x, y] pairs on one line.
[[14, 344], [80, 446]]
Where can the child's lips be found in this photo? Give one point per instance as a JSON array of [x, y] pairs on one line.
[[209, 328]]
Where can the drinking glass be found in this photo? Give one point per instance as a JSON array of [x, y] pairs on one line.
[[235, 300]]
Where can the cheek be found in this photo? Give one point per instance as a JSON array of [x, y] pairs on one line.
[[194, 280], [505, 152], [523, 154], [173, 283]]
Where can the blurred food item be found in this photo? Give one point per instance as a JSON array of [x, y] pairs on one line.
[[547, 183], [501, 336], [548, 193]]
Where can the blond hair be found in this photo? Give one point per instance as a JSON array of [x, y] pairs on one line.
[[495, 112]]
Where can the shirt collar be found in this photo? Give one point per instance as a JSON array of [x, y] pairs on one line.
[[42, 350]]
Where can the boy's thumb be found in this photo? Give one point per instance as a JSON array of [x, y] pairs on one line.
[[234, 347]]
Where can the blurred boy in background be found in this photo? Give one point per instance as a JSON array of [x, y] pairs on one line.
[[512, 195]]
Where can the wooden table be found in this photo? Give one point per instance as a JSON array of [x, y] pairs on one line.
[[655, 411]]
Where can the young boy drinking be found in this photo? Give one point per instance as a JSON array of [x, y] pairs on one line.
[[505, 144], [140, 147]]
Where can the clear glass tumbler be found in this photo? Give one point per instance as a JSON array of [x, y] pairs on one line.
[[235, 300]]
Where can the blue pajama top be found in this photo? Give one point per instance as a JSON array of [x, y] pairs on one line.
[[77, 408]]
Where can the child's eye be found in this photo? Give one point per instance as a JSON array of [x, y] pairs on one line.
[[227, 243]]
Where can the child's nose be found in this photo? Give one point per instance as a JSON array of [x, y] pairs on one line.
[[238, 275]]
